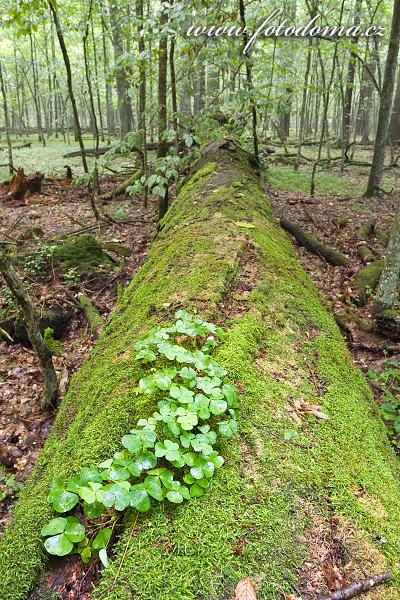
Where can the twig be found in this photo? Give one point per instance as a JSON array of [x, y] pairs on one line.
[[359, 587], [125, 552]]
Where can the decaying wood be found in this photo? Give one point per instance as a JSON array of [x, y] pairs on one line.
[[120, 190], [104, 149], [365, 253], [366, 229], [333, 257], [92, 315], [21, 184], [359, 587], [35, 337]]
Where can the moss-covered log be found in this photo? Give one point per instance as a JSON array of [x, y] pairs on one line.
[[221, 252], [365, 282], [333, 257]]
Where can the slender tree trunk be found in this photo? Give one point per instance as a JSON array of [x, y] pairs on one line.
[[173, 87], [387, 288], [394, 127], [249, 82], [378, 160], [67, 63], [31, 323], [162, 101], [88, 80], [109, 101], [6, 122], [348, 95], [36, 91], [96, 73], [304, 104], [121, 72], [142, 88]]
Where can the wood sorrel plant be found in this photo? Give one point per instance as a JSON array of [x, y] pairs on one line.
[[169, 456]]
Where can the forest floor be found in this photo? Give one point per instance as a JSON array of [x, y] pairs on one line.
[[64, 209]]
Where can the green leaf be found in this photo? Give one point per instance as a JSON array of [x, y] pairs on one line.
[[140, 500], [59, 545], [231, 394], [152, 486], [55, 526], [92, 511], [87, 494], [175, 497], [146, 355], [106, 464], [147, 385], [132, 443], [218, 407], [102, 538], [65, 501], [145, 461], [196, 491], [86, 553], [116, 494], [74, 530], [228, 428], [197, 472], [57, 487], [119, 473]]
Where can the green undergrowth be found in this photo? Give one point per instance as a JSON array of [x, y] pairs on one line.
[[257, 511], [287, 179]]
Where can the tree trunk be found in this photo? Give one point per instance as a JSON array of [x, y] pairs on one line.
[[394, 126], [281, 481], [67, 64], [6, 122], [32, 327], [162, 102], [387, 289], [109, 103], [378, 160], [349, 91], [249, 82], [121, 72]]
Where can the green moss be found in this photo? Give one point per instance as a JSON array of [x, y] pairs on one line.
[[366, 281], [266, 492], [83, 253]]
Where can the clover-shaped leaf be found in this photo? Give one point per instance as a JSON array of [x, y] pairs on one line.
[[218, 407], [231, 395], [187, 419], [139, 499], [228, 428]]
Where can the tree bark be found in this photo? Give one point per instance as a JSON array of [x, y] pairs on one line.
[[162, 102], [387, 288], [67, 63], [378, 160], [121, 72], [6, 122], [32, 327], [313, 244], [394, 126]]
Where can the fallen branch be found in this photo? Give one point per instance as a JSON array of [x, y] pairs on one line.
[[360, 587], [92, 315], [122, 188], [315, 245]]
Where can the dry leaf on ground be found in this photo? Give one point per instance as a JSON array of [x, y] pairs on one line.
[[245, 590]]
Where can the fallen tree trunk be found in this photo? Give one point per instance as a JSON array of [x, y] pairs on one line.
[[333, 257], [218, 240]]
